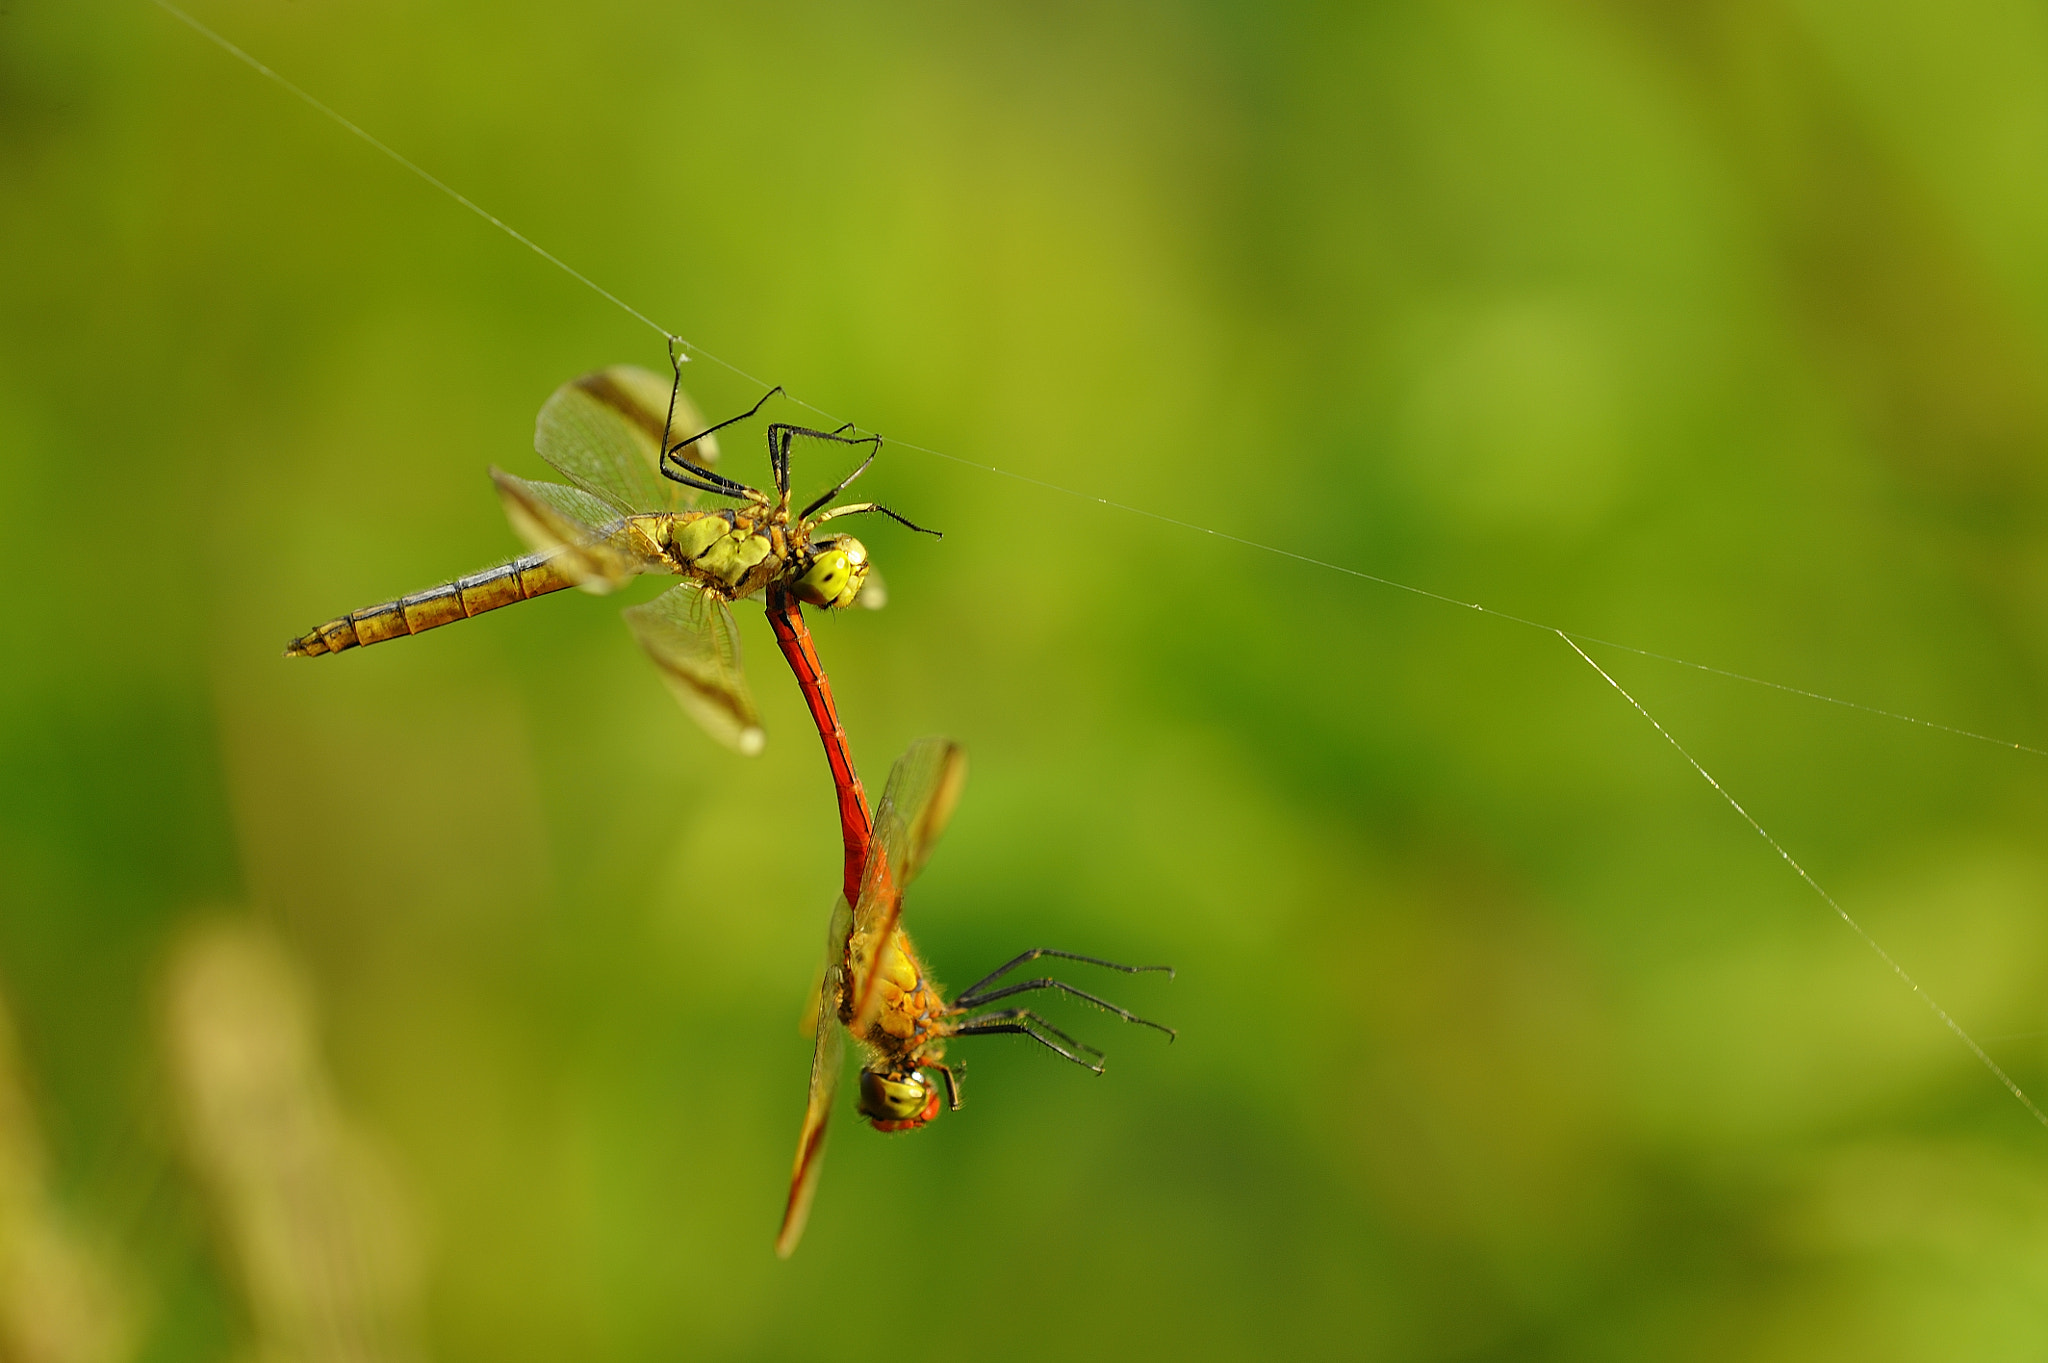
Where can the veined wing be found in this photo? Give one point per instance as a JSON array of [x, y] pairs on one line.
[[826, 1064], [592, 545], [691, 636], [924, 786], [603, 433]]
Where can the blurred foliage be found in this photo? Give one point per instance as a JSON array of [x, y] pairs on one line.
[[57, 1301], [1717, 329], [314, 1230]]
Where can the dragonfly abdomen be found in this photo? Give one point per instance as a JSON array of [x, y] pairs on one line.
[[520, 580]]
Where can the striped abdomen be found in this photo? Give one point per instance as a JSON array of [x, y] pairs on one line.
[[522, 578]]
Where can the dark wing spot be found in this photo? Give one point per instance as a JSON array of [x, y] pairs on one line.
[[602, 387]]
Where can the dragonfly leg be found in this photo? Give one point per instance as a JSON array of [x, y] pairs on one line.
[[675, 390], [1025, 958], [843, 484], [708, 482], [861, 508], [716, 482], [976, 1000], [1024, 1022], [952, 1081], [778, 459], [710, 430], [780, 434]]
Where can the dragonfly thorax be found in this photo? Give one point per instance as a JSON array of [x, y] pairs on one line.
[[738, 552], [897, 1102], [732, 550]]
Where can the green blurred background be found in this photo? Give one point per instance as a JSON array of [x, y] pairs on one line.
[[1717, 329]]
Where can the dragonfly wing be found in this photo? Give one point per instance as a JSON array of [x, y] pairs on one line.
[[924, 786], [593, 546], [826, 1065], [692, 638], [603, 433]]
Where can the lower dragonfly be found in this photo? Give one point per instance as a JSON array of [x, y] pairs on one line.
[[631, 511], [876, 989]]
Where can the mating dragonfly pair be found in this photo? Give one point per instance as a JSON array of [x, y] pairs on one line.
[[631, 510]]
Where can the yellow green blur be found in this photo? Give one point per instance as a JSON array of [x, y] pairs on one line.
[[1718, 330]]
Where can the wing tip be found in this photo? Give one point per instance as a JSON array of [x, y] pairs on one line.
[[803, 1186], [751, 741]]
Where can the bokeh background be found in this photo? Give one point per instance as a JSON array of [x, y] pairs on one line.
[[440, 1001]]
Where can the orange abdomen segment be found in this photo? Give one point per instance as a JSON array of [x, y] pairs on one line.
[[856, 820], [520, 580]]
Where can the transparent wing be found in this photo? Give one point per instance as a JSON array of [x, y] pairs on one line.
[[691, 636], [593, 546], [603, 433], [826, 1065], [924, 786]]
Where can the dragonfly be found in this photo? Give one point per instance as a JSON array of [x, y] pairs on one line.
[[876, 990], [630, 509]]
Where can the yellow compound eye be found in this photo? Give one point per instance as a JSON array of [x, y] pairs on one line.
[[883, 1099], [834, 578]]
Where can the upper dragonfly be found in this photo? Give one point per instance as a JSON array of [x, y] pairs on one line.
[[632, 511], [877, 990]]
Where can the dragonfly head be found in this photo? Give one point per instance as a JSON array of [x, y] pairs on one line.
[[897, 1102], [839, 565]]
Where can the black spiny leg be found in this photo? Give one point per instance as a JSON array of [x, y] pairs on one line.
[[1025, 958], [778, 460], [696, 475], [952, 1081], [1024, 1022], [826, 500], [976, 1000], [781, 434], [863, 508], [675, 390]]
